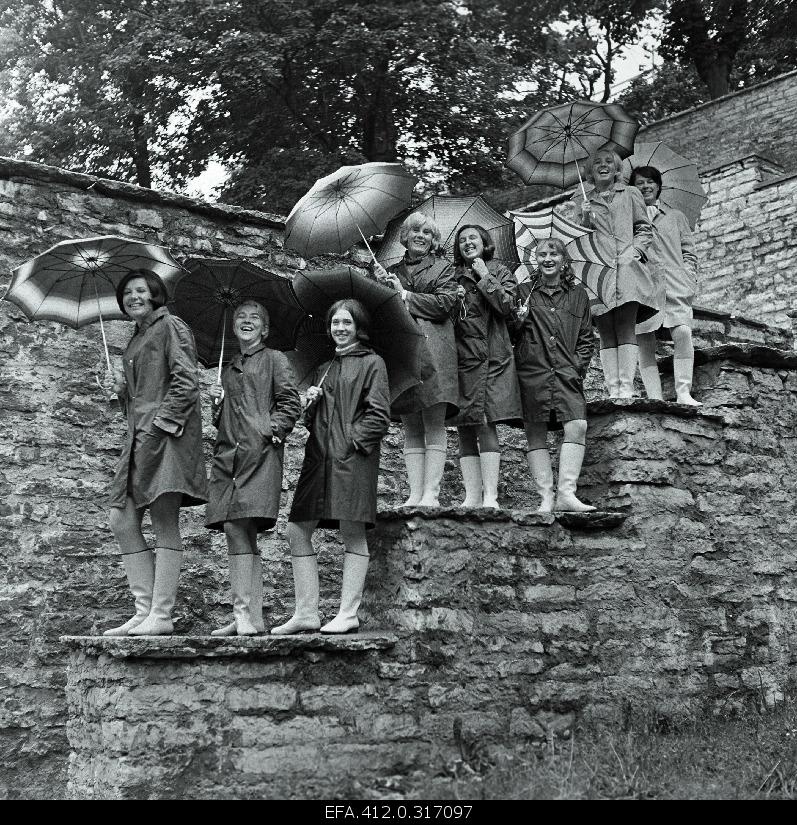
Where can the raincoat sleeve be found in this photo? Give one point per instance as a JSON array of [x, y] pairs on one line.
[[499, 289], [183, 391], [688, 252], [643, 228], [436, 304], [373, 422], [288, 406], [585, 343]]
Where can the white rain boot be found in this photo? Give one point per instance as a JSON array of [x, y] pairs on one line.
[[490, 467], [140, 570], [164, 594], [256, 602], [305, 617], [241, 586], [434, 466], [571, 457], [627, 356], [648, 368], [610, 374], [354, 569], [682, 373], [542, 474], [652, 382], [415, 460], [472, 477]]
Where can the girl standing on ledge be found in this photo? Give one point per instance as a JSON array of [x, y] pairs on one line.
[[552, 356], [162, 466], [348, 414], [255, 408]]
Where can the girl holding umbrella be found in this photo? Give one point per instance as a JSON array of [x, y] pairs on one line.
[[427, 286], [255, 407], [348, 415], [162, 465], [488, 390], [623, 233], [672, 256]]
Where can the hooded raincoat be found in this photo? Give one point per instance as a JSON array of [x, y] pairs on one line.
[[163, 449], [260, 401], [341, 458]]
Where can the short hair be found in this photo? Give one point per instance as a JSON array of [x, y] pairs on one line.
[[568, 277], [157, 289], [359, 314], [415, 221], [262, 311], [618, 163], [487, 240], [647, 172]]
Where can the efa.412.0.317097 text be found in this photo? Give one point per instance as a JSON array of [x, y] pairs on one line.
[[387, 810]]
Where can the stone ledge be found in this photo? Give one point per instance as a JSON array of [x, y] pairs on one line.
[[597, 520], [604, 406], [236, 647], [752, 355]]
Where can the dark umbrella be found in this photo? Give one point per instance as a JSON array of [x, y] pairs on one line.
[[207, 294], [394, 333]]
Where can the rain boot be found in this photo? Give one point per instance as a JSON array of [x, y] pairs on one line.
[[627, 356], [256, 603], [140, 570], [305, 617], [241, 586], [164, 593], [682, 373], [354, 569], [414, 459], [648, 368], [571, 457], [610, 375], [472, 477], [542, 474], [652, 382], [490, 466], [433, 469]]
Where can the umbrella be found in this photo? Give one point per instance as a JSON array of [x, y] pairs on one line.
[[75, 281], [681, 187], [450, 213], [347, 205], [596, 274], [394, 333], [548, 148], [207, 294]]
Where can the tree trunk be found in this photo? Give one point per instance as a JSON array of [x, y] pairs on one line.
[[141, 151], [379, 126], [715, 73]]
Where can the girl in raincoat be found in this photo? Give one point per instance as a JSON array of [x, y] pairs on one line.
[[255, 407], [552, 355], [348, 415], [488, 389], [162, 466]]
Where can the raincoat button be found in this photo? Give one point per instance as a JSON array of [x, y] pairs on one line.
[[553, 337]]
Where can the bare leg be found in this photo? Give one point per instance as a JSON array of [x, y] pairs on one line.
[[471, 466], [414, 456], [608, 352]]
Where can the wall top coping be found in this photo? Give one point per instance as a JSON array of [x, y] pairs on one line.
[[597, 520], [11, 168], [776, 181], [751, 355], [226, 647], [720, 100], [753, 158]]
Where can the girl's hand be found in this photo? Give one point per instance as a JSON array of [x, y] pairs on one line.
[[461, 292], [380, 273], [480, 268], [522, 311], [119, 382], [313, 394], [392, 280], [216, 392], [586, 205]]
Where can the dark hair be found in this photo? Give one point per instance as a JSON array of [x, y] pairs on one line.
[[568, 277], [487, 240], [359, 314], [647, 172], [156, 288]]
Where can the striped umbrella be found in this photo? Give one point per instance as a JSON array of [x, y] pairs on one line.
[[75, 281], [597, 276], [450, 213]]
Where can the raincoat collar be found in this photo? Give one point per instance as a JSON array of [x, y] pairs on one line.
[[238, 361], [359, 349], [155, 315]]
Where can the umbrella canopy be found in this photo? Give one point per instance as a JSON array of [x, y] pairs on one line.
[[681, 187], [352, 203], [206, 295], [548, 148], [597, 276], [450, 213], [394, 333]]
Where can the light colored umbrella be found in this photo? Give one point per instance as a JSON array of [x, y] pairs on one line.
[[681, 187], [75, 281], [350, 204], [450, 213], [549, 147]]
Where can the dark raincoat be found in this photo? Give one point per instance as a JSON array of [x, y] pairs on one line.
[[431, 294], [341, 458], [163, 449], [260, 401], [488, 388], [553, 352]]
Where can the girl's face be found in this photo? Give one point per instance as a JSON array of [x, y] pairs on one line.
[[137, 299], [603, 170], [471, 245], [550, 261], [342, 328], [249, 327], [419, 240], [648, 187]]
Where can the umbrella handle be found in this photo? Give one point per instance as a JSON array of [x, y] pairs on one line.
[[102, 327], [221, 354], [581, 183], [367, 245]]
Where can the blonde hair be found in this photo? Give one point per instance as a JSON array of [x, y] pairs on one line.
[[261, 311], [618, 163], [417, 220]]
